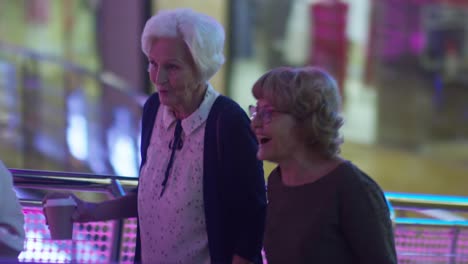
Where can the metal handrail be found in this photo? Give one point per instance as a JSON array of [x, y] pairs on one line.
[[420, 202], [88, 181], [424, 201], [36, 179], [53, 180]]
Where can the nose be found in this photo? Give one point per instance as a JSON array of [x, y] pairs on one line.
[[158, 76], [161, 76]]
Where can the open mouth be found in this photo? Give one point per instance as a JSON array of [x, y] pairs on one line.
[[264, 140]]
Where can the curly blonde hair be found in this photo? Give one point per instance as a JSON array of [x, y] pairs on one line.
[[311, 96]]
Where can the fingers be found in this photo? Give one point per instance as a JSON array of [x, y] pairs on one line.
[[45, 215], [78, 201], [80, 213], [80, 210], [83, 210], [76, 216]]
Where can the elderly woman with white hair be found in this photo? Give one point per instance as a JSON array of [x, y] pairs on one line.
[[201, 194]]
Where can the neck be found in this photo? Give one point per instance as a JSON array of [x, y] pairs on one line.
[[307, 169], [193, 103]]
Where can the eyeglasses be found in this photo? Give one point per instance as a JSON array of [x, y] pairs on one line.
[[261, 113]]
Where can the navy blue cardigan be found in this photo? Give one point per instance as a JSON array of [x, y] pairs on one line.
[[233, 183]]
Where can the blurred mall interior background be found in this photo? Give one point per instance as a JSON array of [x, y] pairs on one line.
[[73, 80]]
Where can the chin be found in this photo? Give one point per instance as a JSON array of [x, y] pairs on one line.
[[264, 156], [260, 154], [165, 100]]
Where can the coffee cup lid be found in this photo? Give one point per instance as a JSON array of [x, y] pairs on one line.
[[61, 202]]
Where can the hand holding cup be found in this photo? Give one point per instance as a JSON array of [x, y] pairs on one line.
[[62, 209], [58, 212]]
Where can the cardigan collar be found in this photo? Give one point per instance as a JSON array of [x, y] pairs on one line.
[[197, 118]]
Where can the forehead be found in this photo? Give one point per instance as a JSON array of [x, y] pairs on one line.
[[163, 49]]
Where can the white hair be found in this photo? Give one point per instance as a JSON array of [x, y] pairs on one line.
[[203, 35]]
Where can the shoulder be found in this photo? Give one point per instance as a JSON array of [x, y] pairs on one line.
[[229, 113], [227, 105], [5, 175], [153, 100], [150, 108], [354, 177], [357, 186]]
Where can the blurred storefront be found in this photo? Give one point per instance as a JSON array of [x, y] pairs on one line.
[[63, 71], [419, 67], [37, 37], [403, 68]]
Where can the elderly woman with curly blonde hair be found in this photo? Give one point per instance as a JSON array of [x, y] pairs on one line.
[[321, 207]]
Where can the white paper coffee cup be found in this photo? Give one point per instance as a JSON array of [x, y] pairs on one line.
[[59, 217]]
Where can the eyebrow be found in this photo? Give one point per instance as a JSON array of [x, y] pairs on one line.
[[174, 61], [167, 61]]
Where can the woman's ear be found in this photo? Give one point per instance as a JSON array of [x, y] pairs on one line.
[[304, 132]]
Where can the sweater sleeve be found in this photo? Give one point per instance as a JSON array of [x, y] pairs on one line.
[[11, 214], [365, 220], [247, 184]]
